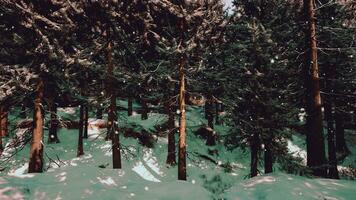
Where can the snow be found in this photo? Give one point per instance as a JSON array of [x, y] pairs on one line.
[[21, 172], [144, 174]]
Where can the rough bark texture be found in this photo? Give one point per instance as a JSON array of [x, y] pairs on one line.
[[3, 121], [53, 127], [171, 156], [182, 171], [113, 133], [129, 106], [36, 150], [80, 150], [315, 141]]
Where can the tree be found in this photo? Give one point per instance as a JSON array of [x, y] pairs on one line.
[[315, 140]]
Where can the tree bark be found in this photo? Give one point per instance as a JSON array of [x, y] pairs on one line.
[[129, 107], [86, 118], [182, 171], [171, 156], [315, 140], [341, 147], [255, 147], [80, 150], [144, 115], [332, 168], [113, 133], [99, 113], [23, 113], [36, 149], [4, 121], [268, 157], [1, 127], [53, 127]]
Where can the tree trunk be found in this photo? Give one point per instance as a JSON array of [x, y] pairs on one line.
[[113, 133], [144, 115], [341, 147], [99, 113], [171, 157], [182, 171], [315, 141], [255, 146], [268, 158], [80, 150], [23, 113], [1, 125], [209, 107], [53, 127], [332, 168], [329, 118], [86, 118], [129, 107], [4, 121], [36, 149]]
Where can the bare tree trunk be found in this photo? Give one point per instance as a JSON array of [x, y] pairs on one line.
[[315, 140], [113, 133], [36, 150], [99, 113], [268, 158], [53, 127], [182, 171], [171, 157], [341, 147], [332, 168], [23, 113], [2, 126], [144, 115], [80, 150], [255, 147], [86, 118], [129, 106], [4, 121]]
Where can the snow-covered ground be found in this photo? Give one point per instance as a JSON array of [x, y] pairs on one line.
[[144, 174]]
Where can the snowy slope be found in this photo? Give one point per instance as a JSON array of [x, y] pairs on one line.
[[146, 176]]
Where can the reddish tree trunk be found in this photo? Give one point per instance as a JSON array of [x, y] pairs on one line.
[[36, 150], [182, 171], [3, 121], [315, 140]]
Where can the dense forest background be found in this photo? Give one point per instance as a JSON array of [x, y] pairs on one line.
[[184, 89]]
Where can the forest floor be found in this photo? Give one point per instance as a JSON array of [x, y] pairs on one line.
[[144, 174]]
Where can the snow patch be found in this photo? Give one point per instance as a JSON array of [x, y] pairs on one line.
[[21, 172], [265, 179], [297, 151], [141, 170], [108, 181]]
